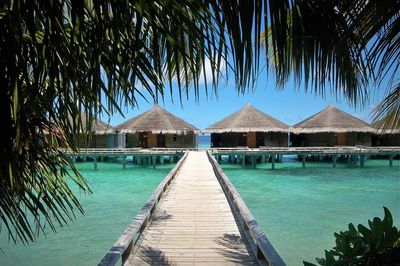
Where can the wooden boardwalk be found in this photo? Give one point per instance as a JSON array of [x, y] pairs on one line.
[[193, 224]]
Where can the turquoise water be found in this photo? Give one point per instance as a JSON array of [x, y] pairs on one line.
[[117, 197], [300, 209]]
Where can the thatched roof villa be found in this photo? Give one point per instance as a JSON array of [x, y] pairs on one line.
[[248, 127], [102, 134], [385, 137], [331, 127], [158, 128]]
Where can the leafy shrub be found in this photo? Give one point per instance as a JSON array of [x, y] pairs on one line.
[[377, 245]]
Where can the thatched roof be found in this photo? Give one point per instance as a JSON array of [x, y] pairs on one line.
[[157, 120], [331, 119], [379, 129], [98, 127], [248, 119]]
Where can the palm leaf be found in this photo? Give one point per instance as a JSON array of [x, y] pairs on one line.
[[61, 58]]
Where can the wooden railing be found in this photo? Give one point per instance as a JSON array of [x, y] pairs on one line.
[[262, 246], [124, 245], [124, 151], [321, 150]]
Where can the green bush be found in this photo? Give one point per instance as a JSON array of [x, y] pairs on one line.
[[377, 245]]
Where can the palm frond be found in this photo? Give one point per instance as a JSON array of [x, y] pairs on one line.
[[61, 58], [387, 114]]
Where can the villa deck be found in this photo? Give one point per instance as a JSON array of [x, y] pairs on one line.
[[142, 156], [338, 150], [352, 153], [127, 151], [194, 217], [152, 156]]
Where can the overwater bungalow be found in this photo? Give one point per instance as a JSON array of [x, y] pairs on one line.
[[158, 128], [331, 127], [102, 134], [248, 127], [98, 134], [386, 137]]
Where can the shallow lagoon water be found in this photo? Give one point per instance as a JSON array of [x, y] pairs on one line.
[[300, 209], [117, 197]]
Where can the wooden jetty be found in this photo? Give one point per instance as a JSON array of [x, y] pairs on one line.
[[141, 156], [264, 154], [194, 217]]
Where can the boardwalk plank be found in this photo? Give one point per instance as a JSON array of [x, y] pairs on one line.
[[193, 224]]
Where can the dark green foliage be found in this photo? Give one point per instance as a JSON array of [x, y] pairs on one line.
[[62, 57], [377, 245]]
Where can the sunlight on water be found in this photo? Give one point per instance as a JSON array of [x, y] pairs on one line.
[[300, 209], [117, 197]]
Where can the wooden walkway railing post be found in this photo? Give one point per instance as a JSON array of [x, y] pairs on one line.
[[263, 248], [122, 248]]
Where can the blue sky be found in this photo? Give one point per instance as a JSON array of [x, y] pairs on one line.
[[290, 105]]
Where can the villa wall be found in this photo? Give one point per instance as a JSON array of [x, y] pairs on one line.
[[132, 140], [97, 141], [386, 140], [331, 139], [231, 139], [171, 140], [250, 139], [274, 139], [180, 141]]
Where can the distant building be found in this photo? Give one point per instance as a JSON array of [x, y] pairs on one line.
[[331, 127], [248, 127], [386, 137], [157, 128], [102, 135]]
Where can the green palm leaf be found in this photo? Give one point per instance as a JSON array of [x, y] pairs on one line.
[[60, 58]]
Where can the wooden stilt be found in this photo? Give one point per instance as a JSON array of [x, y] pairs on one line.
[[362, 160], [273, 161], [334, 157]]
